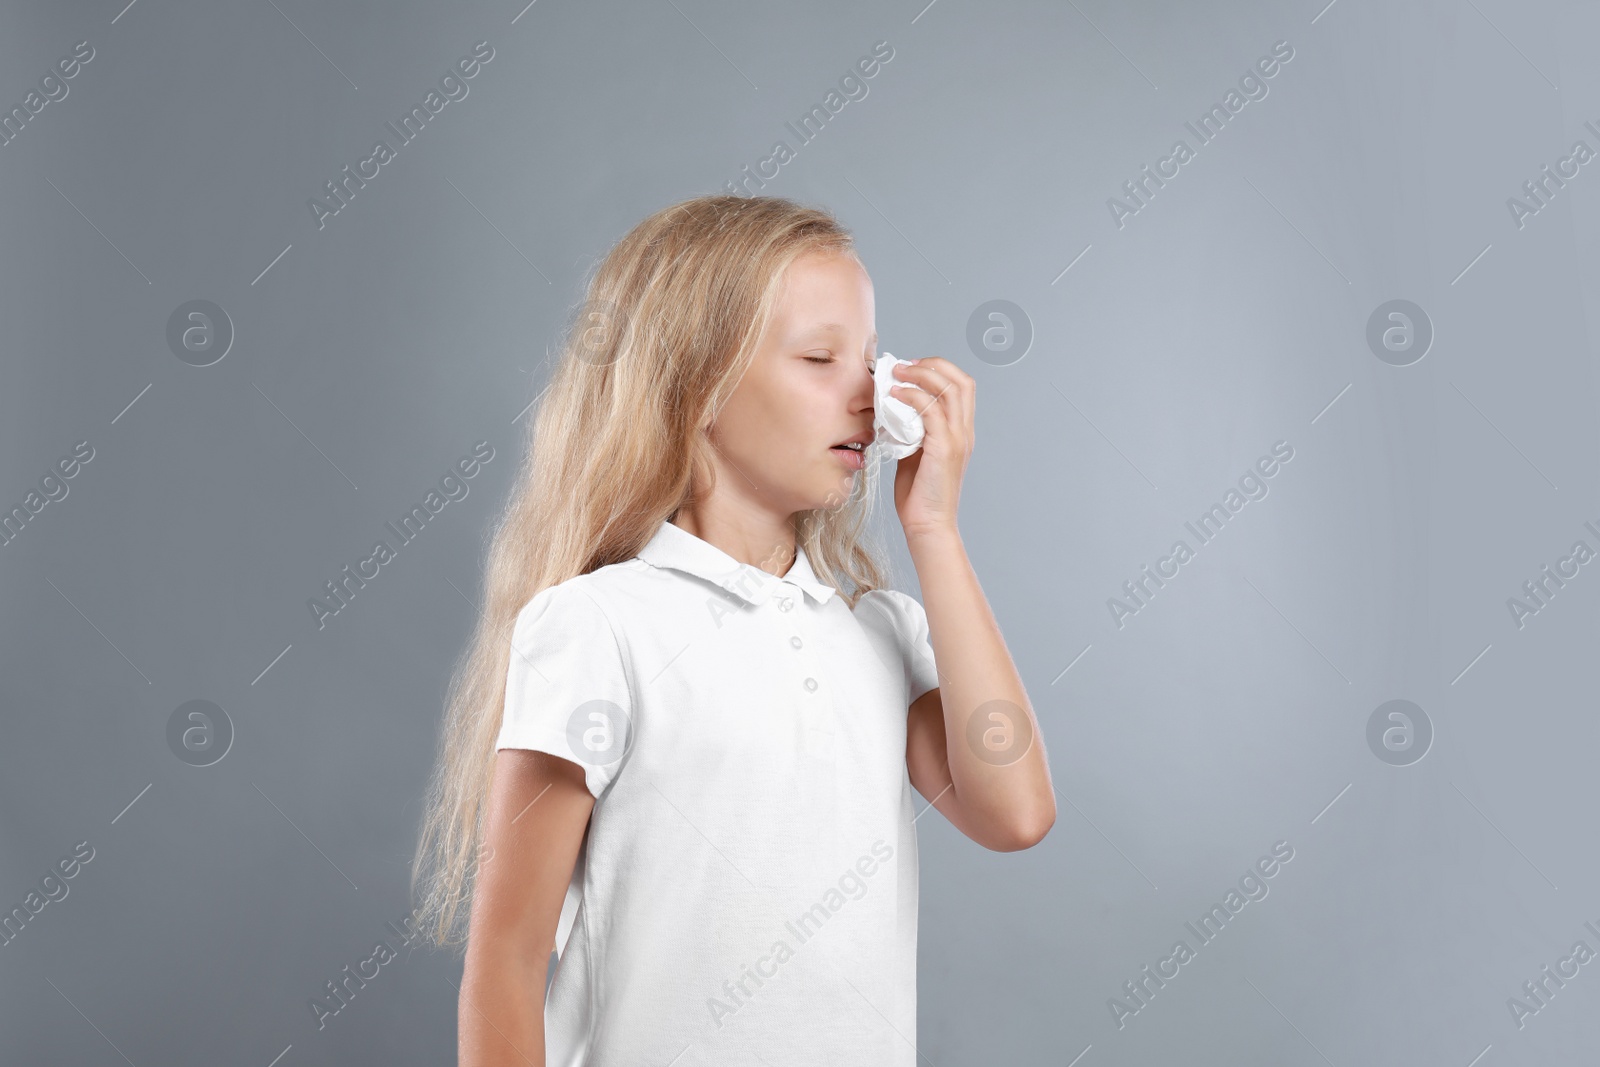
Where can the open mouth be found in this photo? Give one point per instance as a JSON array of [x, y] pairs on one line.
[[852, 454]]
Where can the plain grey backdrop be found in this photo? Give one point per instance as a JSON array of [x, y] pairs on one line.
[[1380, 259]]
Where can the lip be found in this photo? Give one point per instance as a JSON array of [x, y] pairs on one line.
[[852, 460]]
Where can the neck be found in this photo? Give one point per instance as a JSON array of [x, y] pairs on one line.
[[760, 542]]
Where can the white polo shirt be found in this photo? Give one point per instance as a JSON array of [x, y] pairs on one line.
[[747, 885]]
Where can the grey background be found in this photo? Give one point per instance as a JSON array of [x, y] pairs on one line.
[[1230, 313]]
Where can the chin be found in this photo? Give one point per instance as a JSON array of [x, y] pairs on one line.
[[838, 494]]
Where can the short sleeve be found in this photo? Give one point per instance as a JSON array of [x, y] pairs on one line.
[[567, 684], [910, 624]]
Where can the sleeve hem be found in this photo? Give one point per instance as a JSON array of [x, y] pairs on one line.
[[595, 778]]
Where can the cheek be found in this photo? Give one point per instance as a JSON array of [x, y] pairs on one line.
[[741, 423], [793, 418], [763, 433], [777, 425]]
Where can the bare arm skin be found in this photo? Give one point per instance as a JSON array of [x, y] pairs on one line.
[[994, 783], [538, 810], [1004, 808]]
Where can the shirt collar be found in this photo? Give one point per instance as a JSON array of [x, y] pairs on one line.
[[677, 549]]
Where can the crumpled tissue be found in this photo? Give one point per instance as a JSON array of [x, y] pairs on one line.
[[896, 426]]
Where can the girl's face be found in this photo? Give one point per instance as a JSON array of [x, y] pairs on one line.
[[808, 389]]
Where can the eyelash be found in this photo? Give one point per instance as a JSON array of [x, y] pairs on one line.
[[819, 359]]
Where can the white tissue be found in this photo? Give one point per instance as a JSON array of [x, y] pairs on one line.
[[896, 425]]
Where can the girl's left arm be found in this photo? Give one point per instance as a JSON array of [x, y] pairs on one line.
[[973, 746]]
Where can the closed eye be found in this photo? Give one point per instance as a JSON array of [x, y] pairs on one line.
[[871, 364]]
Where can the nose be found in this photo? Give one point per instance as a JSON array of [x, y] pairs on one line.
[[866, 386]]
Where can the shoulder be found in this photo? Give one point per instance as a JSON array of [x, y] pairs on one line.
[[565, 597], [892, 600], [577, 603], [603, 600], [898, 610], [875, 601]]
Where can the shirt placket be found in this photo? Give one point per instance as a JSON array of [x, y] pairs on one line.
[[813, 701]]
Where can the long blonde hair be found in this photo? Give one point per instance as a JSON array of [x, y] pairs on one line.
[[671, 319]]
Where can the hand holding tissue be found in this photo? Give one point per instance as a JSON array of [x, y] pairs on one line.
[[896, 426]]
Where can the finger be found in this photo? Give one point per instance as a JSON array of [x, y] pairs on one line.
[[949, 396], [924, 404], [958, 388], [945, 367], [940, 404], [930, 379]]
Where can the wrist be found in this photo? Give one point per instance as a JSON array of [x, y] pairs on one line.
[[940, 534]]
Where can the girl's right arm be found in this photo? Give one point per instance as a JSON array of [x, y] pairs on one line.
[[538, 809]]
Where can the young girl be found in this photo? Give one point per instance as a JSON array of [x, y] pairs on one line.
[[682, 748]]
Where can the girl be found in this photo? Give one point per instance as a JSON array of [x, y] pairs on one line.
[[682, 747]]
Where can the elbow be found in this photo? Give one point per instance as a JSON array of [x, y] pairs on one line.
[[1024, 833]]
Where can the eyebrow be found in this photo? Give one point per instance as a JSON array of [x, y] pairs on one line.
[[830, 327]]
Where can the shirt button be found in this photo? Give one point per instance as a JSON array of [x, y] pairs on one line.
[[785, 603], [811, 684], [795, 641]]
